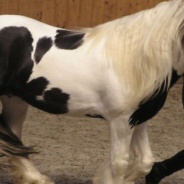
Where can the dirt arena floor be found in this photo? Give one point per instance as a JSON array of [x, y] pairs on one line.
[[72, 149]]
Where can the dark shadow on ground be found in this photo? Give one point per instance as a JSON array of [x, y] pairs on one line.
[[72, 182], [67, 180]]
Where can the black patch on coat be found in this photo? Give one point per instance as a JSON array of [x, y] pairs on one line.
[[54, 100], [15, 57], [95, 116], [43, 46], [34, 88], [151, 107], [68, 40]]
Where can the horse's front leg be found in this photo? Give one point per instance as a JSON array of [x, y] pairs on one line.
[[143, 155], [14, 112], [113, 171]]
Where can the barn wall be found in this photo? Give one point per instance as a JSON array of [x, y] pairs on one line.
[[74, 13]]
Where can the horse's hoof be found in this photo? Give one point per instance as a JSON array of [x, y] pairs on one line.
[[89, 182], [31, 180], [24, 172]]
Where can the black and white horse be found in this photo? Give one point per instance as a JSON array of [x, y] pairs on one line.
[[120, 71]]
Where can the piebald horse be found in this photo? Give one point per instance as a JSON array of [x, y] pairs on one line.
[[120, 71]]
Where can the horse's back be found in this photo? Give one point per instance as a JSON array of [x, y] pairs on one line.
[[18, 20]]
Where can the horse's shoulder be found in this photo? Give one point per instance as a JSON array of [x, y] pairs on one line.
[[69, 40], [15, 54], [153, 105]]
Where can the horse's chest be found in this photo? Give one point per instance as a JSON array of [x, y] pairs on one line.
[[150, 108]]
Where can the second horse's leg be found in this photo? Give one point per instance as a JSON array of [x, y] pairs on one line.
[[165, 168], [14, 111]]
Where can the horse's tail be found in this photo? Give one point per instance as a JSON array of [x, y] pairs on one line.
[[10, 144]]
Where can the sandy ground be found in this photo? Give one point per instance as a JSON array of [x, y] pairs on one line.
[[72, 149]]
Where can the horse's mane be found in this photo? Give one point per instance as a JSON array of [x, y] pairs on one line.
[[140, 47]]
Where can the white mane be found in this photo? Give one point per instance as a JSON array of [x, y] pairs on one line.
[[142, 47]]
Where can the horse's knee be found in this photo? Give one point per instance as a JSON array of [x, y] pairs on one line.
[[145, 165], [119, 167]]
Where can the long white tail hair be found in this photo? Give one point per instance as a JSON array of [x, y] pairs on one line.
[[142, 47]]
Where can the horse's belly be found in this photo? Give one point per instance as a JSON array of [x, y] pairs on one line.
[[57, 101], [59, 89]]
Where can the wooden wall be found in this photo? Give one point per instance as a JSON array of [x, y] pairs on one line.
[[74, 13]]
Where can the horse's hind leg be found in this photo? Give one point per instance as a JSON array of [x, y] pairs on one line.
[[113, 172], [144, 158], [14, 111]]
